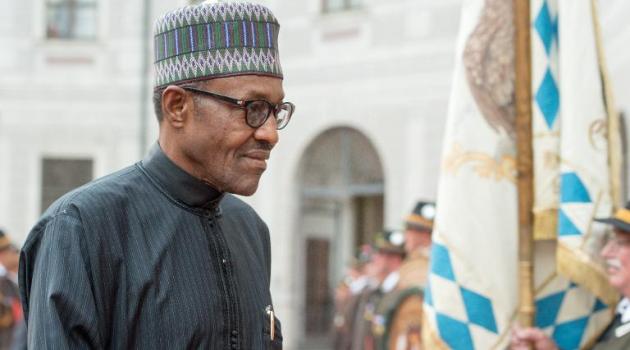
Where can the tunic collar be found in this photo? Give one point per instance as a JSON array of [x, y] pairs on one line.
[[390, 282], [623, 309], [177, 183]]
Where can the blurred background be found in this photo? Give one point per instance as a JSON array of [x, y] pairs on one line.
[[370, 79]]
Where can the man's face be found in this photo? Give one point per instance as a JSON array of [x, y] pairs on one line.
[[415, 239], [386, 262], [9, 258], [617, 256], [222, 149]]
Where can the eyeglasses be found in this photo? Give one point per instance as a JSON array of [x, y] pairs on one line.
[[256, 111]]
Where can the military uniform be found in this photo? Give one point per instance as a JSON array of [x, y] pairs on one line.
[[402, 308], [367, 301], [617, 335], [398, 318], [413, 272], [347, 305], [365, 338], [7, 315], [621, 343]]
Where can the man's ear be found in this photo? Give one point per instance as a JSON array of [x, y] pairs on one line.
[[176, 106]]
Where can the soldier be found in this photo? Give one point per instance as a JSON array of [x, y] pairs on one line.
[[418, 228], [399, 314], [347, 297], [616, 254], [388, 256], [10, 307]]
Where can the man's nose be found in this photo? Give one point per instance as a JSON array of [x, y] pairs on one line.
[[268, 131], [607, 250]]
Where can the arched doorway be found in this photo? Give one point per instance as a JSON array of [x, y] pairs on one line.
[[341, 190]]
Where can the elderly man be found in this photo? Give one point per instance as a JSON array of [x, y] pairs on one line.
[[160, 255], [616, 252]]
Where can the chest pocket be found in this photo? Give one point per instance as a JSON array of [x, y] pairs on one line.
[[276, 342]]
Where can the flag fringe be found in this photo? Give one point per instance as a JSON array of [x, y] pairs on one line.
[[430, 338], [545, 224], [578, 267]]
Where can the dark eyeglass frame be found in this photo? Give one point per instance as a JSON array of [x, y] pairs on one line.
[[243, 104]]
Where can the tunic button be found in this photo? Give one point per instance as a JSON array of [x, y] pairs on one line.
[[234, 332], [234, 340]]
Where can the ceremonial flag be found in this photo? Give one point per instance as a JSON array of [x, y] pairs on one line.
[[472, 297]]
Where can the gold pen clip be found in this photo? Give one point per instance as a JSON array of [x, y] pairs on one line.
[[272, 322]]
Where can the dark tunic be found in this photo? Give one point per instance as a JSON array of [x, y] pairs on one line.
[[148, 258], [610, 341]]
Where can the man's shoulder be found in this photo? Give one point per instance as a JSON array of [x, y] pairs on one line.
[[97, 192], [91, 198], [414, 263], [87, 201], [413, 272]]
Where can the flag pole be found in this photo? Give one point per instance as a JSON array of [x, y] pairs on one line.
[[525, 185]]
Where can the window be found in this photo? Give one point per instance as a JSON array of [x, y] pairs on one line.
[[62, 175], [71, 19], [340, 5]]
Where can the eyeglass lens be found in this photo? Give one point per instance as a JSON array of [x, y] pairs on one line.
[[258, 112]]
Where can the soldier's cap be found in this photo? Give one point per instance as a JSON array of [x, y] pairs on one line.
[[363, 256], [421, 218], [620, 220], [390, 242], [5, 242]]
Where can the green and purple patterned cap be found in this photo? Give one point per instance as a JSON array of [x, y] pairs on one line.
[[215, 39]]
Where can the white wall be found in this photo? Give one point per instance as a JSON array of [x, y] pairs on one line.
[[384, 70]]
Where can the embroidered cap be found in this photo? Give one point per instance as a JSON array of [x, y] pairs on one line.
[[215, 39]]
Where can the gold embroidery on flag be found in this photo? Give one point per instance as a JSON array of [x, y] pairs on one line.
[[486, 166]]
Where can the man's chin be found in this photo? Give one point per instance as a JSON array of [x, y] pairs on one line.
[[246, 193], [614, 281], [246, 190]]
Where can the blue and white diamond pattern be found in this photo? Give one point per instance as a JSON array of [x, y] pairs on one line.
[[546, 91], [563, 315], [576, 205], [463, 317]]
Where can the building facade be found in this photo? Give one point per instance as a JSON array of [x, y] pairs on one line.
[[370, 80]]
